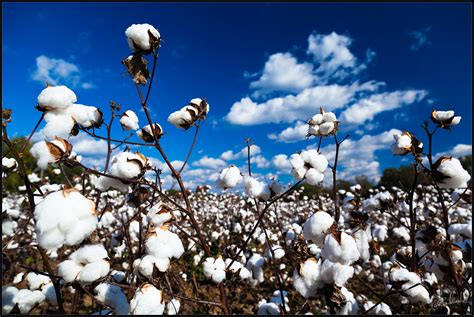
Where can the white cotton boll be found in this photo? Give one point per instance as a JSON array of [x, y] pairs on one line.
[[256, 189], [402, 233], [58, 124], [58, 97], [69, 270], [36, 281], [278, 251], [317, 119], [27, 300], [335, 272], [85, 116], [307, 280], [313, 130], [299, 173], [164, 244], [313, 177], [8, 227], [417, 294], [104, 183], [402, 144], [343, 251], [129, 120], [89, 253], [180, 119], [8, 298], [296, 161], [173, 306], [145, 265], [9, 163], [350, 307], [114, 297], [94, 271], [147, 301], [255, 264], [362, 241], [41, 153], [18, 278], [138, 37], [456, 175], [316, 227], [455, 121], [156, 218], [329, 117], [268, 309], [326, 128], [214, 269], [318, 161], [127, 165], [230, 177], [379, 232]]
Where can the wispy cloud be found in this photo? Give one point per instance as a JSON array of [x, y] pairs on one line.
[[58, 71], [420, 38]]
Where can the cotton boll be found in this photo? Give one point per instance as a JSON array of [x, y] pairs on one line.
[[145, 265], [173, 306], [318, 161], [128, 165], [335, 272], [142, 37], [86, 116], [9, 163], [326, 128], [147, 301], [69, 270], [164, 243], [350, 307], [181, 119], [464, 229], [445, 119], [50, 293], [268, 309], [214, 269], [313, 177], [362, 240], [229, 177], [58, 124], [36, 281], [453, 175], [18, 278], [146, 134], [27, 300], [40, 152], [329, 117], [256, 189], [8, 298], [306, 280], [316, 227], [255, 264], [129, 120], [299, 173], [402, 144], [340, 247], [53, 98], [278, 251], [104, 183], [8, 227], [316, 120], [296, 161], [94, 271], [114, 297]]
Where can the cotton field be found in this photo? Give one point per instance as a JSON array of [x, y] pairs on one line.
[[114, 241]]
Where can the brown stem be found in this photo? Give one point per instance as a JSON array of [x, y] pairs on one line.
[[31, 134], [334, 179], [191, 149], [413, 222], [117, 141]]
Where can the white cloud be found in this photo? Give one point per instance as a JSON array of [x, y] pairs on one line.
[[331, 52], [229, 155], [58, 71], [357, 157], [366, 109], [261, 161], [282, 72], [459, 150], [420, 38], [282, 163], [291, 134], [299, 107], [210, 162], [86, 145]]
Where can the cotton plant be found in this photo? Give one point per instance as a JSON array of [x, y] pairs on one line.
[[323, 124], [197, 109]]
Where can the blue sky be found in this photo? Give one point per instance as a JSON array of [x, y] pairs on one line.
[[263, 68]]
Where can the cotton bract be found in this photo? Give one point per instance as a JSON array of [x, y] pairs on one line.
[[46, 152], [64, 217]]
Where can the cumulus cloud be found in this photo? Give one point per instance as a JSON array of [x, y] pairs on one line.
[[358, 157], [282, 163], [282, 72], [366, 109], [260, 161], [296, 107], [420, 38], [459, 150], [210, 162], [291, 134], [230, 155], [58, 71]]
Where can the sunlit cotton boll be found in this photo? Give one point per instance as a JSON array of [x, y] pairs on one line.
[[46, 152], [9, 163], [306, 280], [27, 300], [229, 177], [146, 134], [142, 37], [402, 144], [128, 165], [335, 272], [129, 120], [316, 227], [350, 307], [214, 269], [113, 296], [86, 116], [340, 247], [452, 173], [54, 98], [173, 306], [163, 245], [256, 189], [64, 217], [148, 300], [58, 123], [445, 119]]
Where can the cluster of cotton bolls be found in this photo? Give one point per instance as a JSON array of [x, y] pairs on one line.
[[309, 165], [323, 124], [61, 113], [187, 116], [260, 189]]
